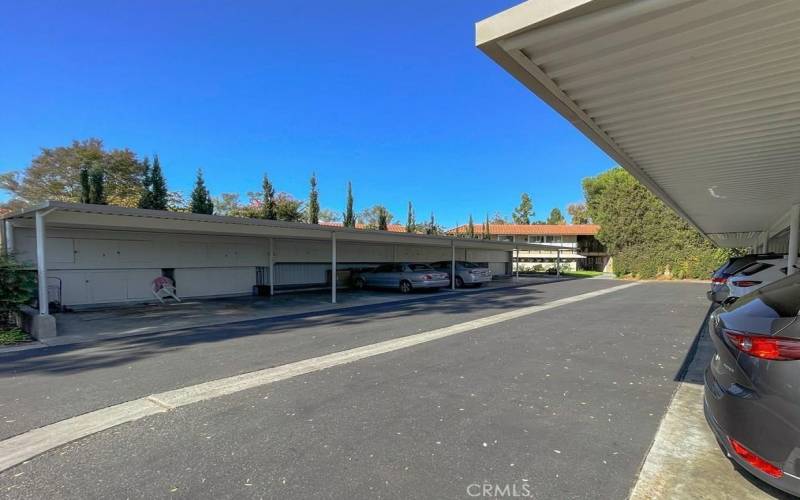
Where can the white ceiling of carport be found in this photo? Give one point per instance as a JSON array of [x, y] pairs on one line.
[[698, 99]]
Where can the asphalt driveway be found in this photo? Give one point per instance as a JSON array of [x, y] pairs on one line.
[[562, 403]]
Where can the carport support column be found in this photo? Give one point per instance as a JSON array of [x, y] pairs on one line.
[[333, 268], [8, 237], [453, 265], [271, 267], [41, 264], [558, 262], [794, 238], [516, 259]]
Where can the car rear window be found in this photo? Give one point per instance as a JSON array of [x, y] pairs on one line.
[[781, 297], [754, 268], [470, 265], [420, 267]]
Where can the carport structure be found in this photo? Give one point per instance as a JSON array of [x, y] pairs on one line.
[[699, 100], [106, 254]]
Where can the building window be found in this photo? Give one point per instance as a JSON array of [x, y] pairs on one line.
[[505, 238], [536, 239]]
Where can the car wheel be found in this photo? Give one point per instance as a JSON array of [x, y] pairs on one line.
[[359, 284], [405, 286], [459, 282]]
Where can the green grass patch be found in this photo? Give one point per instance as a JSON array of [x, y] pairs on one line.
[[11, 336], [582, 274]]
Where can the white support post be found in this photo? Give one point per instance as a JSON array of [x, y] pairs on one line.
[[765, 241], [41, 264], [558, 262], [453, 265], [271, 267], [9, 237], [333, 268], [794, 238], [516, 250]]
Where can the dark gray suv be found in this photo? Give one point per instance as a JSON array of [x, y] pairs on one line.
[[752, 386]]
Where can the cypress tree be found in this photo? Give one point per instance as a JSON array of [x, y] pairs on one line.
[[313, 201], [86, 196], [269, 210], [97, 195], [487, 234], [158, 187], [201, 199], [411, 225], [471, 227], [146, 199], [349, 216]]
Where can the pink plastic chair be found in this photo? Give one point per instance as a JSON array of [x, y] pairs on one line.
[[163, 287]]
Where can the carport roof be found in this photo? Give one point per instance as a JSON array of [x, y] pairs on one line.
[[79, 215], [698, 100]]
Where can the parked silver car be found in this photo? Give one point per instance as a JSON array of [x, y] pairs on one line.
[[404, 276], [467, 273]]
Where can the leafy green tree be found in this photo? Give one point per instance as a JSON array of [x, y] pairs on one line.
[[556, 217], [97, 189], [313, 201], [411, 225], [498, 218], [287, 208], [328, 215], [578, 213], [349, 215], [54, 174], [371, 216], [471, 227], [146, 198], [431, 227], [16, 288], [201, 199], [158, 187], [523, 213], [86, 188], [226, 204], [645, 237], [268, 199]]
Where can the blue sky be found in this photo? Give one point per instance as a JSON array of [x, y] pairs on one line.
[[393, 96]]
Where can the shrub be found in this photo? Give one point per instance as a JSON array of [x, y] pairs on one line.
[[16, 288]]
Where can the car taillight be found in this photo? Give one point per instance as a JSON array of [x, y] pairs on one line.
[[427, 277], [754, 460], [759, 346], [719, 281], [746, 283]]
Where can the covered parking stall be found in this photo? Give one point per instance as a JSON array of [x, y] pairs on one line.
[[700, 101], [87, 255], [696, 99]]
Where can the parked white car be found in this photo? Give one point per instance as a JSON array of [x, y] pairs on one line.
[[756, 275]]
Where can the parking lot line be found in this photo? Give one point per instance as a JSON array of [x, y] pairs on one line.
[[22, 447]]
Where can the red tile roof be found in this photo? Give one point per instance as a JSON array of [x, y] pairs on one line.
[[526, 229]]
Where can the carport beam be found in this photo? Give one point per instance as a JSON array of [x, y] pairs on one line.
[[333, 268], [41, 264], [453, 265], [794, 238]]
